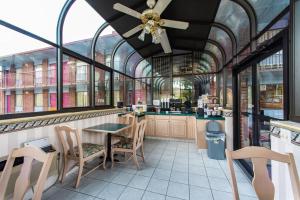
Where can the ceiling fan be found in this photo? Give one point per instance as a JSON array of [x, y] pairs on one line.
[[152, 23]]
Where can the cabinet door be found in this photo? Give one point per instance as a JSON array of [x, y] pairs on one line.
[[162, 127], [201, 129], [191, 127], [150, 128], [178, 128]]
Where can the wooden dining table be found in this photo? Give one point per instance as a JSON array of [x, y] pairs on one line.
[[109, 129]]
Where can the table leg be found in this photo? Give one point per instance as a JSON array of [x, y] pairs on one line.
[[108, 157]]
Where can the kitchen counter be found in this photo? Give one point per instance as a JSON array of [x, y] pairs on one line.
[[170, 113], [186, 114]]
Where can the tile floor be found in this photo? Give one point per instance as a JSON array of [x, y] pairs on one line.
[[174, 170]]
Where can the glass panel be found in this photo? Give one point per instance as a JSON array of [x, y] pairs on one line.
[[267, 10], [132, 63], [105, 45], [223, 39], [119, 86], [275, 29], [221, 87], [204, 84], [129, 92], [216, 51], [264, 134], [120, 57], [36, 16], [162, 88], [203, 63], [182, 64], [80, 26], [144, 69], [183, 88], [140, 91], [76, 80], [270, 79], [102, 87], [229, 100], [162, 66], [27, 72], [245, 99], [234, 16]]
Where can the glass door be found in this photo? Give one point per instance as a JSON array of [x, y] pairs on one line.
[[261, 99], [270, 95], [245, 85]]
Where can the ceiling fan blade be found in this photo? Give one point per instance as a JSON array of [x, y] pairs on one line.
[[174, 24], [161, 5], [133, 31], [164, 41], [126, 10]]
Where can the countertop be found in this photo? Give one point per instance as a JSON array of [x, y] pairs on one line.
[[289, 125], [185, 114]]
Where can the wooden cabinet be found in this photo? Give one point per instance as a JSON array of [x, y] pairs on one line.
[[191, 127], [178, 128], [162, 126], [150, 128]]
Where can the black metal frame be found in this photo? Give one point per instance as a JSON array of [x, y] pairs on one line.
[[280, 41], [61, 51]]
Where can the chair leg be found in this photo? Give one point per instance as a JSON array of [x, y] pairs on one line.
[[142, 153], [81, 163], [104, 161], [112, 158], [135, 159], [65, 169]]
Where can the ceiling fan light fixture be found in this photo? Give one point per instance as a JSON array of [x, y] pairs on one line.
[[142, 35]]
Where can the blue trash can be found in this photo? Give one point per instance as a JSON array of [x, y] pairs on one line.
[[215, 140]]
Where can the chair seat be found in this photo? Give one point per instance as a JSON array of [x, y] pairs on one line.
[[89, 149], [125, 143]]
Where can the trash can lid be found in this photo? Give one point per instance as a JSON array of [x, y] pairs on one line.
[[215, 134]]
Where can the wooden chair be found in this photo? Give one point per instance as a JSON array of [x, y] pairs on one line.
[[77, 153], [261, 182], [23, 181], [132, 145], [128, 133]]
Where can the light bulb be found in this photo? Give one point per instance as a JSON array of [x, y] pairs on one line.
[[142, 35]]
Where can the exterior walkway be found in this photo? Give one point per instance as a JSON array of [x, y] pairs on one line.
[[174, 170]]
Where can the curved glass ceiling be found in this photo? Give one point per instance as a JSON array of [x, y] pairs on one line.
[[120, 56], [267, 10], [79, 30], [132, 63], [143, 69], [223, 39], [235, 17], [216, 51], [105, 44]]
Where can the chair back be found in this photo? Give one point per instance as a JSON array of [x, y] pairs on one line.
[[23, 181], [213, 126], [128, 119], [261, 182], [139, 133], [69, 139]]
